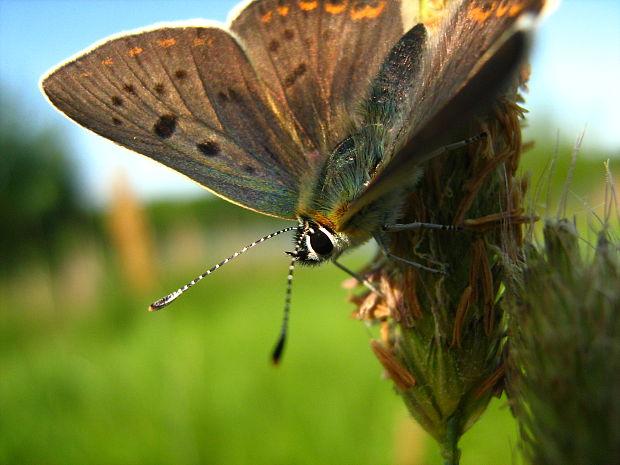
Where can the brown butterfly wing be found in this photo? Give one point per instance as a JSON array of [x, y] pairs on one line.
[[466, 60], [189, 98], [459, 46], [319, 56]]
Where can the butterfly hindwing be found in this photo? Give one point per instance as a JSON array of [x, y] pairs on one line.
[[320, 57], [189, 98]]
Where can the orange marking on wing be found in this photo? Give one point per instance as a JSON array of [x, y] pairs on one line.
[[108, 61], [135, 51], [479, 14], [308, 6], [166, 42], [515, 10], [283, 10], [335, 9], [267, 17], [198, 42], [368, 11], [501, 10], [85, 74]]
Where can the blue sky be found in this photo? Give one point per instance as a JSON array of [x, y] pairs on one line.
[[575, 80]]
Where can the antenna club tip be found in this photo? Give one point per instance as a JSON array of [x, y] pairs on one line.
[[155, 306], [276, 356]]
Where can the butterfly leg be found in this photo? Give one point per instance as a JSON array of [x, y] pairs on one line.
[[389, 255], [359, 278], [417, 225], [456, 145]]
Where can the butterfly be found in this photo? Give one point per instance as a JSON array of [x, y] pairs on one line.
[[317, 111]]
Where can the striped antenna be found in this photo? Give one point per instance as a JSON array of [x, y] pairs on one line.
[[161, 303], [279, 348]]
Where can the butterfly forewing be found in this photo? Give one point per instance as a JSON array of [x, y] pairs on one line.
[[320, 56], [456, 50], [189, 98]]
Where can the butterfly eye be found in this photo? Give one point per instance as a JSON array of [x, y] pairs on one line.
[[321, 242]]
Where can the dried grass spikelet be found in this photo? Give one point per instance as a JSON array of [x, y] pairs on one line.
[[131, 236], [443, 336]]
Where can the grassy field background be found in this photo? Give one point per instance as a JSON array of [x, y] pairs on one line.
[[90, 377], [110, 383]]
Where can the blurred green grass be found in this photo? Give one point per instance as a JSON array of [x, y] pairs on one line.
[[193, 384]]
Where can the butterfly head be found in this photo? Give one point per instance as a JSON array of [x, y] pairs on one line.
[[316, 243]]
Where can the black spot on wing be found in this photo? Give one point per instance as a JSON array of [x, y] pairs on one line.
[[209, 148], [117, 101], [180, 74], [159, 88], [229, 95], [233, 95], [289, 34], [116, 121], [299, 71], [165, 126], [129, 88], [274, 45]]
